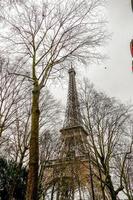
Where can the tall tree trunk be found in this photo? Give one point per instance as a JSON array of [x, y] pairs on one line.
[[91, 177], [32, 185], [111, 188]]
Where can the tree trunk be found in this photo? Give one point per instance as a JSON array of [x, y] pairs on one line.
[[32, 185], [111, 188], [91, 177]]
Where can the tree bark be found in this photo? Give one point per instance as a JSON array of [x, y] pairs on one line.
[[32, 185], [111, 188]]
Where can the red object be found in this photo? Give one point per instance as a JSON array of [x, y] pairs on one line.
[[131, 47]]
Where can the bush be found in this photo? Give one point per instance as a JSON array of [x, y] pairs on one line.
[[12, 180]]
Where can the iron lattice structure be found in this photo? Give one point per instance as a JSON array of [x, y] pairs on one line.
[[72, 115], [69, 176]]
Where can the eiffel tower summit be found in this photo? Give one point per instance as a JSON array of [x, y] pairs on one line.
[[73, 175]]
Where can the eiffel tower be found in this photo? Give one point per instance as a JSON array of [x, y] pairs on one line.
[[70, 176]]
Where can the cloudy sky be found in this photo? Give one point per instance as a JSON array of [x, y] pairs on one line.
[[117, 79], [114, 76]]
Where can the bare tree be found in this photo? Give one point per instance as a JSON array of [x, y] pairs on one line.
[[17, 147], [106, 121], [10, 89], [128, 177], [49, 36], [124, 165]]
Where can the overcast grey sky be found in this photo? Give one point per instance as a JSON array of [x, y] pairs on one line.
[[117, 79]]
